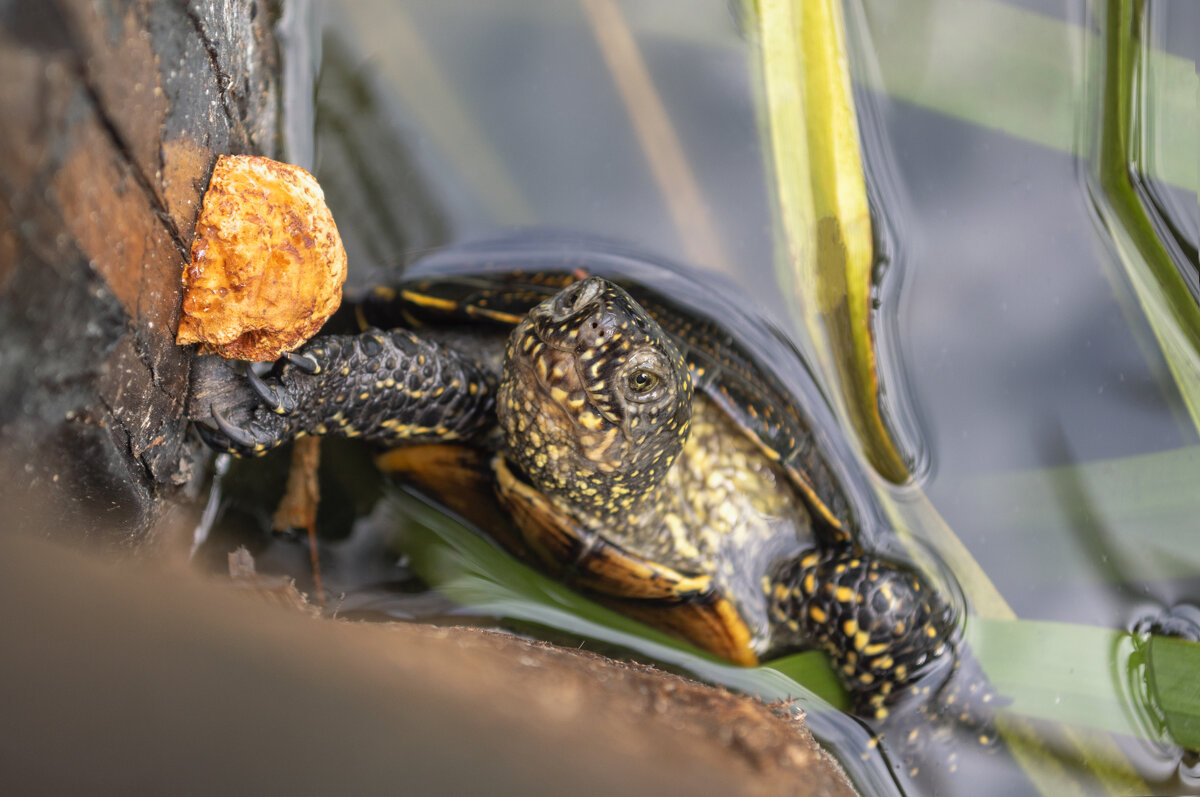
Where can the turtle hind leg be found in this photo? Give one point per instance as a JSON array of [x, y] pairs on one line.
[[387, 387], [881, 622], [894, 642]]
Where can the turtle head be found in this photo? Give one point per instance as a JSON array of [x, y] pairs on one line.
[[595, 398]]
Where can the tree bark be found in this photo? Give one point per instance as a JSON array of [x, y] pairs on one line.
[[111, 116]]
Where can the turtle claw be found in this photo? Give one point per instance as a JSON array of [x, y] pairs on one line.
[[240, 437], [279, 401], [258, 435], [303, 362], [211, 434]]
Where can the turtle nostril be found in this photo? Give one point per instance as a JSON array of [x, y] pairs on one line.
[[570, 301]]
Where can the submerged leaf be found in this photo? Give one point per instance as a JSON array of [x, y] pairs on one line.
[[1160, 288], [1174, 678], [823, 208]]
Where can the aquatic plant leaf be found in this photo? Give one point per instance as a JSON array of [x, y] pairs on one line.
[[473, 572], [1160, 289], [1174, 678], [822, 205], [1061, 672], [1019, 657], [813, 669], [1070, 675], [1136, 517], [937, 55], [1078, 675]]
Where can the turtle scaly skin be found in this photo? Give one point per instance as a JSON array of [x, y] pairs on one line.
[[389, 387]]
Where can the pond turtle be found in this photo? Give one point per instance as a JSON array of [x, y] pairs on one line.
[[648, 437]]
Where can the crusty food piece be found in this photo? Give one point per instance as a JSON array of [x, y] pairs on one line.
[[267, 263]]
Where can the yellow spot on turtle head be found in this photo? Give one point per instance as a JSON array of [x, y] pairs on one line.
[[591, 421]]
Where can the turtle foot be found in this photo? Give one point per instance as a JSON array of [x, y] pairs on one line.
[[237, 411]]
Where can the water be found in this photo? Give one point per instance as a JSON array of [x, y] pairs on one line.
[[1058, 449]]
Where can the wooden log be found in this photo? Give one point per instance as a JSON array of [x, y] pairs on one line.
[[111, 116]]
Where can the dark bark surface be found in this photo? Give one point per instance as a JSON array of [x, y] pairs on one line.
[[111, 116]]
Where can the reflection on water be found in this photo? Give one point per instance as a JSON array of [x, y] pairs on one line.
[[1060, 452]]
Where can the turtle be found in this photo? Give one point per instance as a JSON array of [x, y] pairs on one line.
[[645, 434]]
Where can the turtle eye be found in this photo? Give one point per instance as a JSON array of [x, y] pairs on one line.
[[642, 381]]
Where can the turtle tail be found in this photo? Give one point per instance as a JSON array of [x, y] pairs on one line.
[[386, 387]]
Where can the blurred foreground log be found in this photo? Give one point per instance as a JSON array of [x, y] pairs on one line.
[[156, 683], [111, 116]]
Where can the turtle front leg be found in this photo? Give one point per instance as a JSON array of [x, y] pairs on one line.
[[387, 387]]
